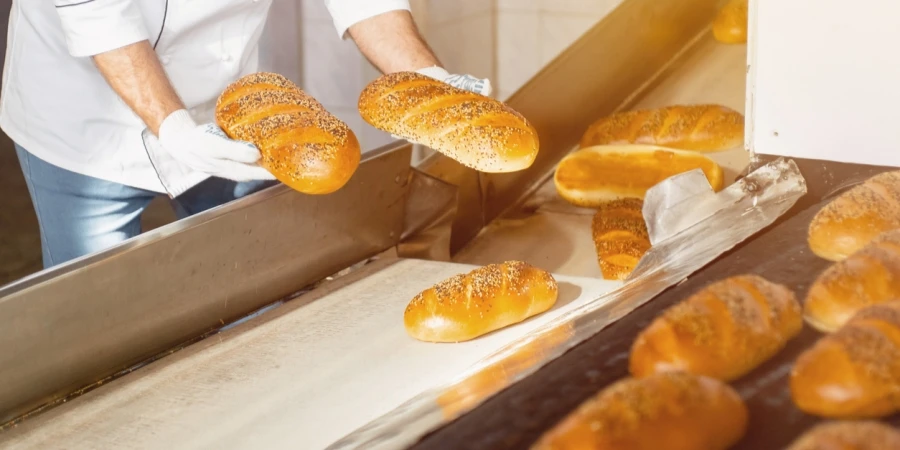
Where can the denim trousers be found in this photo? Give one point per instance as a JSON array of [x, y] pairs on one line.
[[79, 215]]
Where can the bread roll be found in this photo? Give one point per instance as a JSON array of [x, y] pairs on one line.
[[857, 216], [594, 175], [486, 299], [620, 237], [470, 392], [849, 435], [723, 331], [853, 373], [868, 277], [477, 131], [693, 127], [670, 411], [302, 144], [730, 25]]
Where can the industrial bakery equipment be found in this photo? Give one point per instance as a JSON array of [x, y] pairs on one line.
[[273, 321]]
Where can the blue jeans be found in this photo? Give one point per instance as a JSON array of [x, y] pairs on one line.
[[80, 215]]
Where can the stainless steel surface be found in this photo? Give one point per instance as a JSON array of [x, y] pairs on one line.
[[430, 209], [69, 327], [605, 70], [299, 377]]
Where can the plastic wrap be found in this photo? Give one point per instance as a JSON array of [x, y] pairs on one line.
[[691, 227]]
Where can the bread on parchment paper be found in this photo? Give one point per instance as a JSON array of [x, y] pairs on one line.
[[868, 277], [665, 411], [849, 435], [856, 217], [302, 144], [477, 131], [592, 176], [730, 25], [724, 330], [486, 299], [620, 237], [702, 127], [853, 373]]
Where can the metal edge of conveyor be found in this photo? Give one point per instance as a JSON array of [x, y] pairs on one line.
[[70, 326], [590, 79]]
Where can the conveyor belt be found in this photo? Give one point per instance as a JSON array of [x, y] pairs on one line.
[[301, 376], [547, 231]]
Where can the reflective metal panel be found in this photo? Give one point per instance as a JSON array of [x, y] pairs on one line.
[[65, 328]]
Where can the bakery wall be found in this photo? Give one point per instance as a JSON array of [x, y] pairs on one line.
[[508, 41]]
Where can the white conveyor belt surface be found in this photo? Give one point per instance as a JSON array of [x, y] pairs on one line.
[[301, 376]]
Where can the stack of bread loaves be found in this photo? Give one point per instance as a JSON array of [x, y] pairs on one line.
[[624, 155]]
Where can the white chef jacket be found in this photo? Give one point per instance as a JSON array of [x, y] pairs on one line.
[[56, 105]]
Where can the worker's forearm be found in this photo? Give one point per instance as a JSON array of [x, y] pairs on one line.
[[392, 43], [135, 73]]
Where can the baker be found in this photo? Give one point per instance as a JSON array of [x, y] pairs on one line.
[[110, 103]]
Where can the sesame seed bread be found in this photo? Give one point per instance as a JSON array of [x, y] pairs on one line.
[[592, 176], [730, 25], [670, 410], [694, 127], [486, 299], [477, 131], [868, 277], [856, 217], [853, 373], [620, 237], [723, 331], [848, 435], [302, 144]]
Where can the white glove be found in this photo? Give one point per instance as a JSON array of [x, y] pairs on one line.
[[205, 148], [467, 82]]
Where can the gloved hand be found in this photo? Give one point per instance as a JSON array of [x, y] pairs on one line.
[[467, 82], [205, 148]]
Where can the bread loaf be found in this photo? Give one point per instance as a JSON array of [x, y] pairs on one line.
[[594, 175], [302, 144], [730, 25], [486, 299], [723, 331], [691, 127], [477, 131], [854, 218], [670, 411], [853, 373], [620, 237], [848, 435], [470, 392], [868, 277]]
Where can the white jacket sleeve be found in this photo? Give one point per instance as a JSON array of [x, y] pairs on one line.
[[346, 13], [96, 26]]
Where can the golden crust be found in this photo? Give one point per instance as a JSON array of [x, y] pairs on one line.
[[620, 237], [672, 411], [730, 25], [301, 143], [856, 217], [848, 435], [723, 331], [594, 175], [683, 127], [486, 299], [477, 131], [853, 373]]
